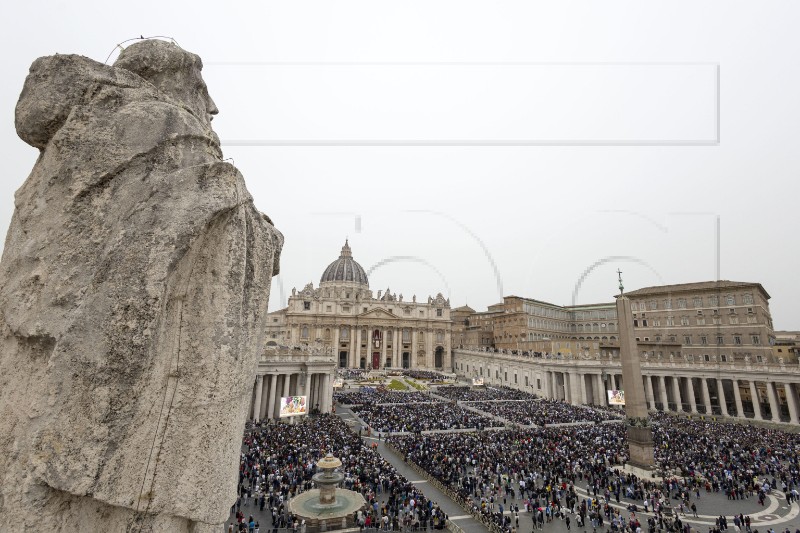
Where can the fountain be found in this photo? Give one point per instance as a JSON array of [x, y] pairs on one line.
[[327, 507]]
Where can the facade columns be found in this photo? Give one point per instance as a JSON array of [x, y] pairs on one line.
[[395, 346], [648, 391], [384, 342], [755, 402], [429, 348], [737, 397], [723, 402], [791, 402], [690, 392], [548, 385], [257, 399], [414, 348], [676, 393], [352, 348], [706, 395], [357, 359], [336, 344], [773, 402]]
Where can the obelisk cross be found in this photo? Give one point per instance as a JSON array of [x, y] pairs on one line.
[[619, 273]]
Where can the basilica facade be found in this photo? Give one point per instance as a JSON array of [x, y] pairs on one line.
[[343, 317]]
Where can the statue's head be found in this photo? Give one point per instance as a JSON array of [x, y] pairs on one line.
[[173, 70]]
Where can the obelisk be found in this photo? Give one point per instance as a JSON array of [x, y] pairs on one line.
[[640, 434]]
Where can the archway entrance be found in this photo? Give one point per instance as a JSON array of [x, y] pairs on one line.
[[406, 360], [376, 360], [438, 357], [363, 363], [388, 362], [342, 359]]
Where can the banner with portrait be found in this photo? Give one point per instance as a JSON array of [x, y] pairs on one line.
[[293, 406]]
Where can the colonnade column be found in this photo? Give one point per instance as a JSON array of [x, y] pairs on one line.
[[676, 393], [600, 388], [327, 394], [723, 402], [662, 385], [273, 385], [262, 409], [791, 402], [690, 392], [706, 395], [648, 390], [582, 386], [755, 402], [737, 398], [773, 402], [257, 399]]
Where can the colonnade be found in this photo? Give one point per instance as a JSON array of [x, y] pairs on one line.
[[269, 388], [717, 395]]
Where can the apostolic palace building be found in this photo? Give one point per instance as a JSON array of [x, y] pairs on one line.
[[706, 348]]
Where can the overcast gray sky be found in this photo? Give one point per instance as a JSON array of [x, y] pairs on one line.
[[503, 148]]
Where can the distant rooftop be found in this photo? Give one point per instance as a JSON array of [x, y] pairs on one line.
[[699, 286]]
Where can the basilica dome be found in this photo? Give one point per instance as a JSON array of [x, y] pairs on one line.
[[345, 269]]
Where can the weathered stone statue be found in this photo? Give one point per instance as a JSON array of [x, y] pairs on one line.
[[133, 292]]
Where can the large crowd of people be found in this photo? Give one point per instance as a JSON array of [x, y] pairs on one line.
[[478, 394], [380, 395], [544, 473], [578, 470], [279, 461], [427, 375], [417, 417]]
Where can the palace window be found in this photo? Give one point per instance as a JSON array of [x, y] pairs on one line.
[[713, 301], [307, 306], [438, 312], [756, 339], [703, 339], [684, 321], [344, 333], [698, 302], [687, 339], [406, 335], [747, 299], [304, 333], [720, 339], [737, 339], [668, 304], [681, 303], [328, 308], [670, 321], [723, 358], [653, 305], [730, 300]]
